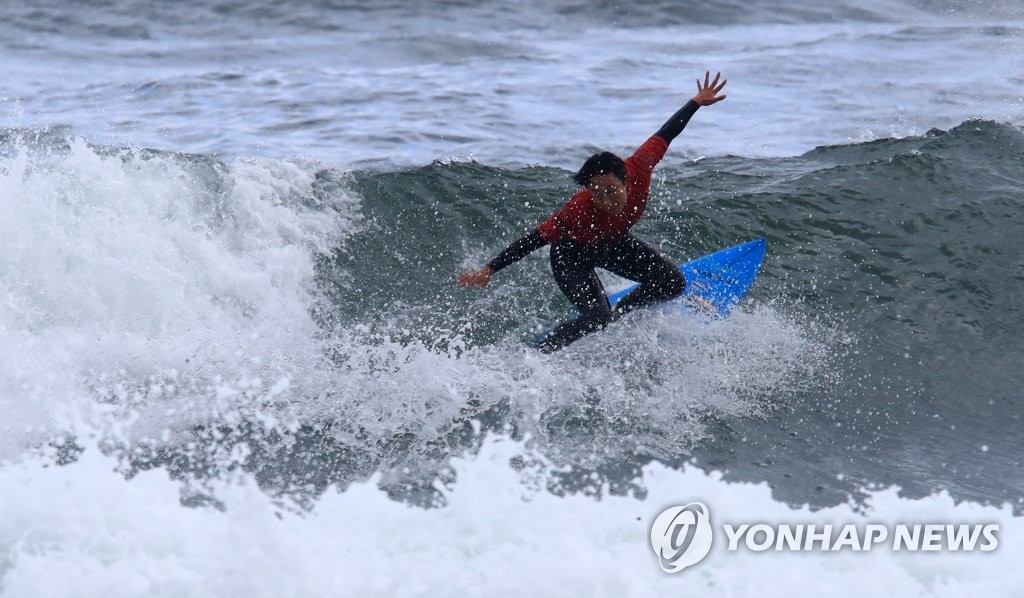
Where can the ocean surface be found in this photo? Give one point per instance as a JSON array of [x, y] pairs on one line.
[[234, 360]]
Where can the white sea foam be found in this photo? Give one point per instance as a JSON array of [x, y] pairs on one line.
[[132, 277], [643, 387], [84, 527]]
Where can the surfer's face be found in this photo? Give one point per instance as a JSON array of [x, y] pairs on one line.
[[608, 192]]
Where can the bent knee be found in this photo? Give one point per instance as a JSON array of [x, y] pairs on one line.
[[676, 285], [671, 286]]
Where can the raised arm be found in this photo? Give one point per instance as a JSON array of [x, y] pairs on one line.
[[707, 94]]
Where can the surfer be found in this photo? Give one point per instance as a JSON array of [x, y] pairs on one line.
[[592, 231]]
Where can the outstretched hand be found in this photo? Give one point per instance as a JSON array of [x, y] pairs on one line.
[[707, 94], [477, 278]]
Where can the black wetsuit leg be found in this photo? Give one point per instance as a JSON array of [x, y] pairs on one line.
[[573, 266], [659, 278]]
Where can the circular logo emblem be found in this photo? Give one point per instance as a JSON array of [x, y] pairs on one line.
[[681, 536]]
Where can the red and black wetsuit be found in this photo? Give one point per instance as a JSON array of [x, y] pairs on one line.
[[583, 237]]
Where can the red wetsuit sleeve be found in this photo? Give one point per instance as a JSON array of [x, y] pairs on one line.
[[649, 154]]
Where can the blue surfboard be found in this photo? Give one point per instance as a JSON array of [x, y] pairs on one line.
[[715, 283]]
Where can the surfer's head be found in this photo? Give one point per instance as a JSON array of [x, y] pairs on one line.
[[604, 174], [600, 163]]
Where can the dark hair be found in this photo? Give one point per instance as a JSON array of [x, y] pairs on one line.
[[600, 163]]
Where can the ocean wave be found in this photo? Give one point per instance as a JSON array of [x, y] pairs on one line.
[[301, 322]]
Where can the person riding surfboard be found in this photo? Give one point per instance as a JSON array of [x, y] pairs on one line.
[[592, 231]]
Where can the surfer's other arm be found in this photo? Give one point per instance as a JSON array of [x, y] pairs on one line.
[[513, 253]]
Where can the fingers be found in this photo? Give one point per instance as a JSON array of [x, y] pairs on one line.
[[713, 85]]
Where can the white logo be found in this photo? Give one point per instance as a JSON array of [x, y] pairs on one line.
[[681, 536]]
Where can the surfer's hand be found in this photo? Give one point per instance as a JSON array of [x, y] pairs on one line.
[[707, 94], [477, 278]]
